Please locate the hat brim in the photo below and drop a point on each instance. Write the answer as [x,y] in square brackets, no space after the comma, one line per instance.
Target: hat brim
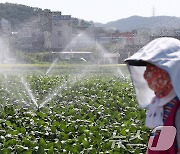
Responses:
[136,62]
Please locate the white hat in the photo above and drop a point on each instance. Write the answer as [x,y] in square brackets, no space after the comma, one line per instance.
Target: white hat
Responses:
[164,53]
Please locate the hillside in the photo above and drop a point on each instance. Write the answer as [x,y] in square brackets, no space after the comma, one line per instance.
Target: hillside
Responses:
[137,22]
[16,13]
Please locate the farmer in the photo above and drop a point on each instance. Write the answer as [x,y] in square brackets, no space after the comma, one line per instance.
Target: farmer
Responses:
[155,73]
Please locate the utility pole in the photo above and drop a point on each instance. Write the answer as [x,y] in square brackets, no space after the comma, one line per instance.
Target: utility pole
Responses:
[153,11]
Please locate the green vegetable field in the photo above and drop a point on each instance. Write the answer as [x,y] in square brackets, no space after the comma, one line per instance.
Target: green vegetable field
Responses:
[69,113]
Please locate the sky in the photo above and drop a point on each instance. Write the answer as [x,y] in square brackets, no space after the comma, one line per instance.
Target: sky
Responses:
[104,11]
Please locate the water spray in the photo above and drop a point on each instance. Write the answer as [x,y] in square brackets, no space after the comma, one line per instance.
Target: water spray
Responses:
[29,92]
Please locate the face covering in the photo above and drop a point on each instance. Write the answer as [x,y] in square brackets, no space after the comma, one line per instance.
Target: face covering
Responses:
[158,80]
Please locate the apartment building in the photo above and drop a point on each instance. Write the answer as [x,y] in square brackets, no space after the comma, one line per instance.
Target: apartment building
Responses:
[48,31]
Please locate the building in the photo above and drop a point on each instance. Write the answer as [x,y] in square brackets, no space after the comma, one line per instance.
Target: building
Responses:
[5,27]
[61,31]
[73,55]
[48,31]
[29,36]
[111,58]
[5,31]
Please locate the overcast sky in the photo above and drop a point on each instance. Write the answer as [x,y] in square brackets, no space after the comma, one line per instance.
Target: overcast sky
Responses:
[104,11]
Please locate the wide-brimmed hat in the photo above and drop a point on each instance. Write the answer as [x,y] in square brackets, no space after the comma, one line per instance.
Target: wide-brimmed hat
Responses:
[163,52]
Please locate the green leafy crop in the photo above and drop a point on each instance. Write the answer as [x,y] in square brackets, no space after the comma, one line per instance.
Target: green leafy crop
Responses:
[88,116]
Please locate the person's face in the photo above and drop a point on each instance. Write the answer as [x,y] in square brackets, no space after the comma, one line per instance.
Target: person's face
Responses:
[157,79]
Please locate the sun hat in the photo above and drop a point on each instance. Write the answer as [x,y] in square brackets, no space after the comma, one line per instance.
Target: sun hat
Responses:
[162,52]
